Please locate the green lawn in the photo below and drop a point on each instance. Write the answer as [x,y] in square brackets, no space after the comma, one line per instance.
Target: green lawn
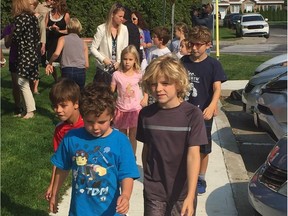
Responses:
[26,145]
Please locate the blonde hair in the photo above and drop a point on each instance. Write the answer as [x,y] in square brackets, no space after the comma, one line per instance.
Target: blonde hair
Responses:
[21,6]
[130,49]
[74,26]
[200,34]
[113,10]
[172,69]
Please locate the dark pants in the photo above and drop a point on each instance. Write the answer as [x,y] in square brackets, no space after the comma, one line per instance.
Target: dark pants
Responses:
[78,75]
[162,208]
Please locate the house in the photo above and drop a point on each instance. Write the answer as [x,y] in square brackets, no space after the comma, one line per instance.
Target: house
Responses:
[235,6]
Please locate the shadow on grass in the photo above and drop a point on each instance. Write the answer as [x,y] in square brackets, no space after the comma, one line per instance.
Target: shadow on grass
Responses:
[9,207]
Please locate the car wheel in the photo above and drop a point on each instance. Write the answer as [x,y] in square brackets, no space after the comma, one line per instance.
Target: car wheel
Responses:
[267,36]
[255,213]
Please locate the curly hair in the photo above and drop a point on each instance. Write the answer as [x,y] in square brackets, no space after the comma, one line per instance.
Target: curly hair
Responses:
[141,22]
[95,99]
[169,67]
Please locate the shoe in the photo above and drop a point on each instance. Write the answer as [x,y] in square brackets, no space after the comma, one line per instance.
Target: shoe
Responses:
[201,186]
[18,111]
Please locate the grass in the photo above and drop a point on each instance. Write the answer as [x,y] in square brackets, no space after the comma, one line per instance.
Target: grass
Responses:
[26,145]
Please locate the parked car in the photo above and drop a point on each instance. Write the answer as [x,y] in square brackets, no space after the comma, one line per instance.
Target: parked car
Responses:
[252,24]
[252,90]
[267,189]
[227,21]
[279,60]
[234,21]
[271,110]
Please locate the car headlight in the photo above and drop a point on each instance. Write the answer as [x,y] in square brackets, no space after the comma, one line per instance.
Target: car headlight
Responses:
[283,189]
[265,25]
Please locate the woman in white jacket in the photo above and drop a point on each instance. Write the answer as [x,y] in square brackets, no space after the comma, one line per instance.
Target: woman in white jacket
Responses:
[109,41]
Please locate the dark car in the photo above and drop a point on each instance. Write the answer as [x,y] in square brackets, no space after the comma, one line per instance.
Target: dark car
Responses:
[267,189]
[228,19]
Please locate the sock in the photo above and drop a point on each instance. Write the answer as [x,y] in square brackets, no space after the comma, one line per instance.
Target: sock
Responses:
[202,176]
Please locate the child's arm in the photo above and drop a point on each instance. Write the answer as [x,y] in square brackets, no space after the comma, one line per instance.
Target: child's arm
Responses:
[123,200]
[113,87]
[211,110]
[49,189]
[60,176]
[193,168]
[144,101]
[86,55]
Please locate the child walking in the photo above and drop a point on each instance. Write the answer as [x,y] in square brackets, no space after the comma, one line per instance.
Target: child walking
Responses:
[100,157]
[171,130]
[64,97]
[160,38]
[206,74]
[127,80]
[74,54]
[181,32]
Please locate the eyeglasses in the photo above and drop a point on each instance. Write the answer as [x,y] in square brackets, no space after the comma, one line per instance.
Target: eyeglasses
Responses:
[134,18]
[197,45]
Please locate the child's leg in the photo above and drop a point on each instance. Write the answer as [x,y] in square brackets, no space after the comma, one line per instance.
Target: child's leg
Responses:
[132,138]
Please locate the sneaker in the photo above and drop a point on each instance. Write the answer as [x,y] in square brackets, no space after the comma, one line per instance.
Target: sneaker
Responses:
[201,186]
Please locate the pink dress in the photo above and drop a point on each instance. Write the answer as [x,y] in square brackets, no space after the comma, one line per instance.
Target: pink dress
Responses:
[128,100]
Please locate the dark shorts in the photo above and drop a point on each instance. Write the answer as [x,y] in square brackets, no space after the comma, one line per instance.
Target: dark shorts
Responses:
[162,208]
[206,149]
[78,75]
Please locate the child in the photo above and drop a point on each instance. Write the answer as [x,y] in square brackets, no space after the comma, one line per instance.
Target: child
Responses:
[181,32]
[206,74]
[171,130]
[160,38]
[101,159]
[74,57]
[129,102]
[64,96]
[185,48]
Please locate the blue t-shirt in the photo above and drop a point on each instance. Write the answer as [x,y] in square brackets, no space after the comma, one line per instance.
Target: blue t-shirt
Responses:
[98,167]
[202,75]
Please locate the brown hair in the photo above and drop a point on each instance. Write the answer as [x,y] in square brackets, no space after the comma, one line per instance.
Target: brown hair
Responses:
[162,33]
[21,6]
[200,34]
[95,99]
[64,90]
[141,22]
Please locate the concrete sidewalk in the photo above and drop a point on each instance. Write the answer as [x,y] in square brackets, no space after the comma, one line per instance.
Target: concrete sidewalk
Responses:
[219,199]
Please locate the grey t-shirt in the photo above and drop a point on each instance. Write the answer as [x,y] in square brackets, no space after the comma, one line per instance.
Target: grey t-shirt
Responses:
[169,133]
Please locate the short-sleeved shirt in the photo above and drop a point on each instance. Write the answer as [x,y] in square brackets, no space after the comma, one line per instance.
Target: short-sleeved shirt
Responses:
[98,165]
[62,128]
[128,90]
[156,52]
[168,133]
[203,74]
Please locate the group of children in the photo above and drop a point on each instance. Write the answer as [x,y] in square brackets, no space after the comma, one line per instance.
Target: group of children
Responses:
[175,153]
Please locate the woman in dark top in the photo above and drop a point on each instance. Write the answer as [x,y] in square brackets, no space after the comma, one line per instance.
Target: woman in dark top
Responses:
[56,21]
[26,37]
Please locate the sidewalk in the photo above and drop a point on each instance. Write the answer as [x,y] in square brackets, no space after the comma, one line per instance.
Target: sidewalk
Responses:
[219,199]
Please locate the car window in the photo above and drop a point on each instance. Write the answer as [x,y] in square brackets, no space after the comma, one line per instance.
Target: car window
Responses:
[252,18]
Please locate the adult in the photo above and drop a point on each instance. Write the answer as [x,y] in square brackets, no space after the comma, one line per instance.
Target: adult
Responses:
[56,22]
[109,40]
[145,36]
[26,37]
[133,31]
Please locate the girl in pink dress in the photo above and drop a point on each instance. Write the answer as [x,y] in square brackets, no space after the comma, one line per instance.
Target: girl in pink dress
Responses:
[130,98]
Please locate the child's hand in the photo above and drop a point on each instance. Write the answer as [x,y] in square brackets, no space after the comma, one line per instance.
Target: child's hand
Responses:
[187,208]
[53,204]
[144,102]
[208,113]
[48,193]
[122,204]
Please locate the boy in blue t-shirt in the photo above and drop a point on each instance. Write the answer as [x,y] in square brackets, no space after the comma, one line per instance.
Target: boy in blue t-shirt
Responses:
[206,74]
[101,159]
